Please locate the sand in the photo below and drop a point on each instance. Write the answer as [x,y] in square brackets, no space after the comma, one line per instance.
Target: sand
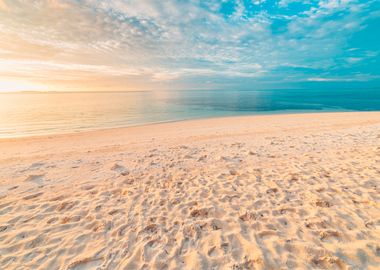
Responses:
[258,192]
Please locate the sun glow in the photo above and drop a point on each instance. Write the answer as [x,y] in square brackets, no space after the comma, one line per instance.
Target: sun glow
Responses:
[15,86]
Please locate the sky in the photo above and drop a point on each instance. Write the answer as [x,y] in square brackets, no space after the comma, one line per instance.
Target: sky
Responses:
[123,45]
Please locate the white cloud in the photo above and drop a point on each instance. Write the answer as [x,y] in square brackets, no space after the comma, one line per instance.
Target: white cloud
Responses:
[258,2]
[355,78]
[285,3]
[333,4]
[353,60]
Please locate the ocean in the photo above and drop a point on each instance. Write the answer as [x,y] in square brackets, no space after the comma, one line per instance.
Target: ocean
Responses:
[27,114]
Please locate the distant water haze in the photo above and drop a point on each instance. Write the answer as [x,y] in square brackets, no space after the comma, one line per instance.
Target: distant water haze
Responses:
[26,114]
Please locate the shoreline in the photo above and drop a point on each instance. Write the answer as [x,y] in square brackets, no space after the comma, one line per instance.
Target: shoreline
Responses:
[96,130]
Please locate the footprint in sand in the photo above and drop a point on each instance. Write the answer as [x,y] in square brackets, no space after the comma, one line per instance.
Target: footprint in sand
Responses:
[247,216]
[35,178]
[272,190]
[202,213]
[3,228]
[29,197]
[323,203]
[120,169]
[36,165]
[12,188]
[87,187]
[267,234]
[212,252]
[85,263]
[325,235]
[327,262]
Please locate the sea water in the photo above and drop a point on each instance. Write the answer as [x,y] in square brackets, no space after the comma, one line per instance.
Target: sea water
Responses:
[26,114]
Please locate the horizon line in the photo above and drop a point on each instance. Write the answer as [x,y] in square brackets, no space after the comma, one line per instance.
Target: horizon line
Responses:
[169,90]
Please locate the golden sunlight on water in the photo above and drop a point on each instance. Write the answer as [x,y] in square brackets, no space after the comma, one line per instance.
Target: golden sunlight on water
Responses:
[23,114]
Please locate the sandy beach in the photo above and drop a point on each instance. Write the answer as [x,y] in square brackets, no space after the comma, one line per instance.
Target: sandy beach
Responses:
[257,192]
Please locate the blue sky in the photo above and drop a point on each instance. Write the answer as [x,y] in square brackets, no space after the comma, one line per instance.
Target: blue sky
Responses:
[141,45]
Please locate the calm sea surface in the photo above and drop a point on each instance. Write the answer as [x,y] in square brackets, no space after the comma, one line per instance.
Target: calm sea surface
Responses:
[25,114]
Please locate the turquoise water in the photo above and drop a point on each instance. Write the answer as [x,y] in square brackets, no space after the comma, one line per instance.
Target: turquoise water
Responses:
[25,114]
